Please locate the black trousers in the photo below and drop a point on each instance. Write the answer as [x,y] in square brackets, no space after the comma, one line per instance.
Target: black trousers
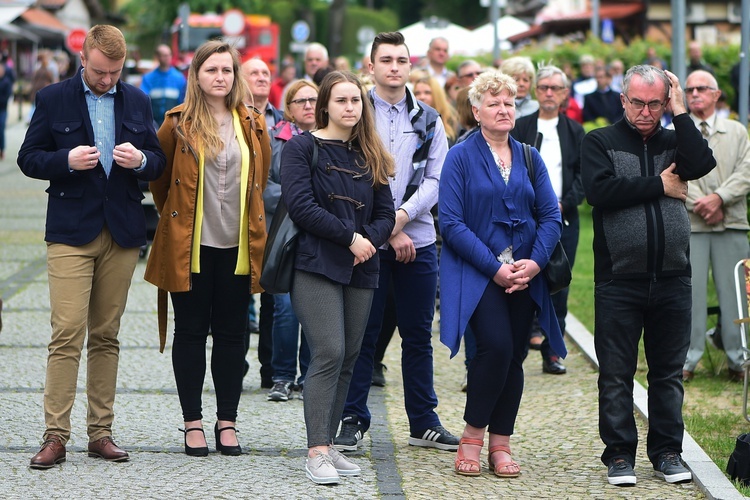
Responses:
[217,304]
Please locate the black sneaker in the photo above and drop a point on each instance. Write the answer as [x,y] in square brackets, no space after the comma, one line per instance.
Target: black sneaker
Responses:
[671,468]
[434,437]
[281,391]
[620,472]
[299,390]
[378,375]
[350,436]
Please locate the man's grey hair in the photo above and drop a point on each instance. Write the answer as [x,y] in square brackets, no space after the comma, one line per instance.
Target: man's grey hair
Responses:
[649,74]
[465,63]
[441,38]
[317,47]
[549,71]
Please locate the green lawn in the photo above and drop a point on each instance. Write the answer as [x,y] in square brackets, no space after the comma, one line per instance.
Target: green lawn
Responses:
[713,404]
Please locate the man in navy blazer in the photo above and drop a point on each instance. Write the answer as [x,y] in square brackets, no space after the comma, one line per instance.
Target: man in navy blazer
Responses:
[92,138]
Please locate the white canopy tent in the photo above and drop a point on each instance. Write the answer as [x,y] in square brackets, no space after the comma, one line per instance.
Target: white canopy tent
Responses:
[419,35]
[507,26]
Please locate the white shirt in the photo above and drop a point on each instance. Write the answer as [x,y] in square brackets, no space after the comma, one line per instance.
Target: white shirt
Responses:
[551,152]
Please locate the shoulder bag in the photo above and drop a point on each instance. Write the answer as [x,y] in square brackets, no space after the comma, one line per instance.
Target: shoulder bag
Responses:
[557,271]
[281,246]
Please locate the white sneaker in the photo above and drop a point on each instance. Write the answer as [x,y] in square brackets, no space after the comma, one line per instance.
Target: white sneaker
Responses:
[320,469]
[342,464]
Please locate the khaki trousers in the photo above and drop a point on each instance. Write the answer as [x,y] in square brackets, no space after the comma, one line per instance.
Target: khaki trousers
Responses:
[88,291]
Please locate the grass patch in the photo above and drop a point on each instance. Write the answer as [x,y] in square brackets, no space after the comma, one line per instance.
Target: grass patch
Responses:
[713,405]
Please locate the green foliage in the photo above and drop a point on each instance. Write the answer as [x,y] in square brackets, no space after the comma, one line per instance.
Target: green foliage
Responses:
[598,123]
[355,18]
[720,57]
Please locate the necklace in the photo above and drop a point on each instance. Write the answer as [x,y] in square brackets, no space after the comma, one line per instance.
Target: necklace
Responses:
[502,166]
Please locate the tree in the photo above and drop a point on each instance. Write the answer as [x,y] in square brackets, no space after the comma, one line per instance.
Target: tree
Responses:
[336,26]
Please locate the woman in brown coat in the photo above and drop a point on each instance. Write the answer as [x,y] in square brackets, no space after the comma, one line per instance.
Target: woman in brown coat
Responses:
[208,246]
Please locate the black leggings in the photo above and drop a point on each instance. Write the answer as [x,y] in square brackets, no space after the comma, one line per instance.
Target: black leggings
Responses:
[217,303]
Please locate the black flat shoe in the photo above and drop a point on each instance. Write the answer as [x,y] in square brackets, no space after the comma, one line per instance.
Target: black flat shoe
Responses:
[201,451]
[223,449]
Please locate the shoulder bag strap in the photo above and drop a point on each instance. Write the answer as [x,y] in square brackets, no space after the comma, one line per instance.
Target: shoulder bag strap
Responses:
[315,154]
[529,162]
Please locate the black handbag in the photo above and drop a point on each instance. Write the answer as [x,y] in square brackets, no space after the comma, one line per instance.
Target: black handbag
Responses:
[557,271]
[738,465]
[281,246]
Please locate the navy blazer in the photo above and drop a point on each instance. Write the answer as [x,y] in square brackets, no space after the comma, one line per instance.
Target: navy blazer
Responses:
[571,134]
[80,203]
[602,104]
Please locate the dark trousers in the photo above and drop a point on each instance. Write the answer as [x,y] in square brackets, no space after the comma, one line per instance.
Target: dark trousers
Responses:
[501,325]
[414,287]
[387,328]
[265,337]
[217,302]
[661,310]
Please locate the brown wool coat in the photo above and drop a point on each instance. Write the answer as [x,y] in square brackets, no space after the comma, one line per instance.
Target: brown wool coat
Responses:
[175,194]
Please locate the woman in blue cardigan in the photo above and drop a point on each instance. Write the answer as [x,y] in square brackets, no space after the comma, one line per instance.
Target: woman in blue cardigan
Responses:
[498,233]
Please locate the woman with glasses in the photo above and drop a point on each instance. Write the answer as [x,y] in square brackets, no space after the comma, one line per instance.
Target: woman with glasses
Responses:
[299,116]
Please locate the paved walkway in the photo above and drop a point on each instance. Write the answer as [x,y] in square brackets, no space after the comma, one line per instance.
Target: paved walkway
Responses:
[556,440]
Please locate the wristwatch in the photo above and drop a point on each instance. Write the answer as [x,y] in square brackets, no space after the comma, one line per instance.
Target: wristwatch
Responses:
[143,160]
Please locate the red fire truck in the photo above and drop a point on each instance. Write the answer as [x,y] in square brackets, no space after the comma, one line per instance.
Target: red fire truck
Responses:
[257,36]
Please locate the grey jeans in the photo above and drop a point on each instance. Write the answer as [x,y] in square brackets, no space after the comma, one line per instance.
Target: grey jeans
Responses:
[333,317]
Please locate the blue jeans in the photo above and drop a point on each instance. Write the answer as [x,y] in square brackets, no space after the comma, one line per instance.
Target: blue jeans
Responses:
[3,121]
[414,288]
[285,342]
[660,308]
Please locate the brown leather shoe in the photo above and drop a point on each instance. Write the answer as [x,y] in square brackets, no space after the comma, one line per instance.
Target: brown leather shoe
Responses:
[52,453]
[736,375]
[107,449]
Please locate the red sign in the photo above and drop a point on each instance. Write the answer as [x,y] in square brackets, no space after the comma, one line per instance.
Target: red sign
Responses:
[75,39]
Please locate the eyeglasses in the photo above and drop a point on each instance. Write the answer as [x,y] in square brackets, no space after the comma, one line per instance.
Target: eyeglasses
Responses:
[301,102]
[473,74]
[554,88]
[639,105]
[699,88]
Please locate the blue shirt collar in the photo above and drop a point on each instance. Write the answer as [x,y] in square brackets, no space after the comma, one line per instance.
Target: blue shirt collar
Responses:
[86,88]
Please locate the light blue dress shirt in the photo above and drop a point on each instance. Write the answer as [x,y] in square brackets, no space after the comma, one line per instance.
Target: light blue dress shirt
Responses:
[102,115]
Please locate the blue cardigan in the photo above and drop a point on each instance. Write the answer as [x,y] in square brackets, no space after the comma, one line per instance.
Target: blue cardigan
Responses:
[479,217]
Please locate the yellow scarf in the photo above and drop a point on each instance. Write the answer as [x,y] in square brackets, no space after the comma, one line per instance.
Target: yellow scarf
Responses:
[243,255]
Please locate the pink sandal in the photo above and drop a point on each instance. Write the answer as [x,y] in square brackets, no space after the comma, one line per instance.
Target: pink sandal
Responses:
[503,469]
[462,461]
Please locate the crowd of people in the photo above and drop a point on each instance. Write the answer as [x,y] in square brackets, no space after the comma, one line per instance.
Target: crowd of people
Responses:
[361,162]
